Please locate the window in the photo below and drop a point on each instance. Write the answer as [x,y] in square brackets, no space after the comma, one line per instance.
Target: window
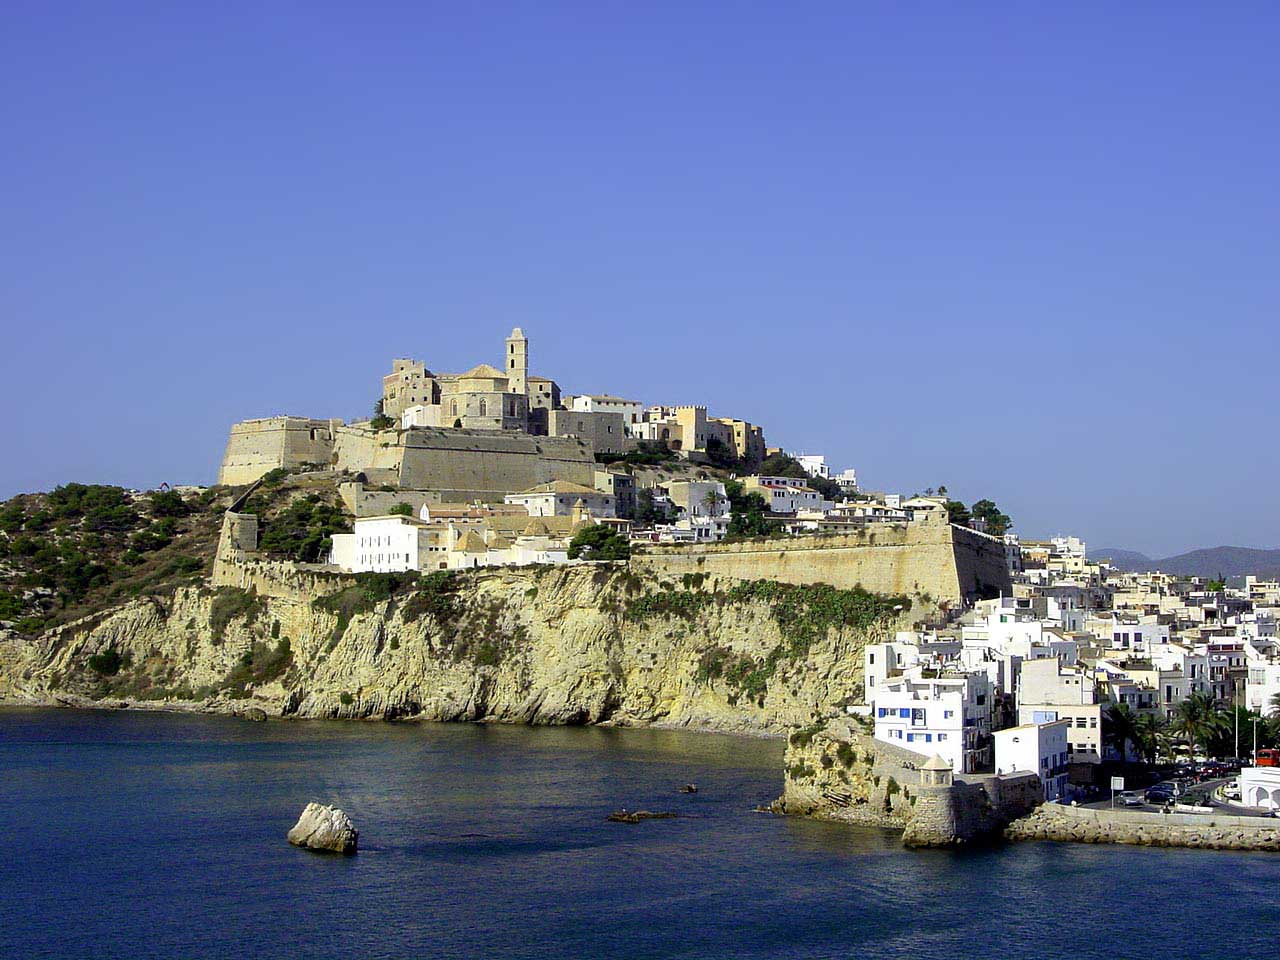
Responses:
[484,407]
[941,737]
[948,714]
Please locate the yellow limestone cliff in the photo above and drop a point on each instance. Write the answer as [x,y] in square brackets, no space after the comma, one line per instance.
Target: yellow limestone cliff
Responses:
[554,645]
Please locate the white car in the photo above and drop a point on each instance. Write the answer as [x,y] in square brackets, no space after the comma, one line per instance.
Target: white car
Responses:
[1130,799]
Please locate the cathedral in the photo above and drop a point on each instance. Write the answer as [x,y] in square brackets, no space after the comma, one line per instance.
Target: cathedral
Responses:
[483,398]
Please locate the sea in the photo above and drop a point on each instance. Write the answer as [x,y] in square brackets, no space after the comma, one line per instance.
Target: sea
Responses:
[131,835]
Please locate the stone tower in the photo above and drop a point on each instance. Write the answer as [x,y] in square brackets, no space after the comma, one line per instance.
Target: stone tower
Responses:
[517,365]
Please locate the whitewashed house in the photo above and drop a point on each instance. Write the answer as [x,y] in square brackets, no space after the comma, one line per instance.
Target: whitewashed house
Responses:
[1039,748]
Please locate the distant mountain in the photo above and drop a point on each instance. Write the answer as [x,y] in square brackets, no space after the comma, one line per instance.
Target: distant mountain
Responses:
[1208,562]
[1123,559]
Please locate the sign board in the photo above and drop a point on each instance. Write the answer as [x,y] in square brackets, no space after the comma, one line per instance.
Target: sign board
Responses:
[1117,783]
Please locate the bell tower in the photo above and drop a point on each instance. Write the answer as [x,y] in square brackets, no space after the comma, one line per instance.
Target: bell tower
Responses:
[516,366]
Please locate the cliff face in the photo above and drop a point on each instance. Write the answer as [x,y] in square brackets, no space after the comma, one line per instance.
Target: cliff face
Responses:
[582,644]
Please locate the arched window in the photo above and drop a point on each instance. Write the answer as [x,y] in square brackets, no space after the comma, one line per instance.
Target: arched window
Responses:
[513,408]
[455,408]
[666,434]
[484,408]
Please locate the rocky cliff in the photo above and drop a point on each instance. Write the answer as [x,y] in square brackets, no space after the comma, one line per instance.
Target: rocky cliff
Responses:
[554,645]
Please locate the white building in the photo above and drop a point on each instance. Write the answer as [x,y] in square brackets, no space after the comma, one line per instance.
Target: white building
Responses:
[949,715]
[382,545]
[848,480]
[632,410]
[1047,692]
[559,497]
[1142,636]
[784,495]
[422,415]
[815,465]
[1260,787]
[1039,748]
[1262,686]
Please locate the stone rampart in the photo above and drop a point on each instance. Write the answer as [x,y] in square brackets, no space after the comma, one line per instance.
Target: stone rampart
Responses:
[256,447]
[1090,825]
[935,560]
[282,579]
[460,465]
[971,810]
[487,465]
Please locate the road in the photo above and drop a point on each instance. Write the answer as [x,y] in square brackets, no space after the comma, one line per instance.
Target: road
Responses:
[1201,794]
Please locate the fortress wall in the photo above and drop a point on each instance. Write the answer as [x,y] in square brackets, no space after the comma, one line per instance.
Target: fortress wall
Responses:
[256,447]
[887,558]
[981,564]
[916,558]
[482,465]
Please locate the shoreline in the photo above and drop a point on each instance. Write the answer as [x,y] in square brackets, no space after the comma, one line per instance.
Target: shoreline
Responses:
[75,702]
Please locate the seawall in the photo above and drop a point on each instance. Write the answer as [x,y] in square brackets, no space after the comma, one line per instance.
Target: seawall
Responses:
[1204,831]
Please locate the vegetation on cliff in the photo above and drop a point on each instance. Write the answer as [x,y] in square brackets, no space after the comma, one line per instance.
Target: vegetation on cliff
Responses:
[81,547]
[805,615]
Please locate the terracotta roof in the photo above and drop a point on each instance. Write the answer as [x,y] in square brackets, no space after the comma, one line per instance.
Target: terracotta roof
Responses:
[471,542]
[559,486]
[484,372]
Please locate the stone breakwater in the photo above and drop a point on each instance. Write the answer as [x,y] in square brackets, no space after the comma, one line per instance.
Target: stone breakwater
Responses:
[1078,825]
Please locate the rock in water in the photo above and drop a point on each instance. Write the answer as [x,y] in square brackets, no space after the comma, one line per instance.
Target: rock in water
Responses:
[324,828]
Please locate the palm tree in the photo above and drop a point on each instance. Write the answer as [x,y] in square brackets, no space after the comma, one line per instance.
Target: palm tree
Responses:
[1195,720]
[1275,705]
[1150,731]
[1120,728]
[712,501]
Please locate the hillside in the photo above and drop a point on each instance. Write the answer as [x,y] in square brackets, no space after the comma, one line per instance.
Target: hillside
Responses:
[83,548]
[1208,562]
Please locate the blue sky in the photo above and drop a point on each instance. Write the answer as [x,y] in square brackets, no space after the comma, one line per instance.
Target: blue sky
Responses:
[1028,253]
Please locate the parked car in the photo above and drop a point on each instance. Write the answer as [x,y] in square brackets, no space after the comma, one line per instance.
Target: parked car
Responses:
[1164,791]
[1131,798]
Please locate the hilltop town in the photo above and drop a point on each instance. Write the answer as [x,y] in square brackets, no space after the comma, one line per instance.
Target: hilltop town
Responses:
[486,546]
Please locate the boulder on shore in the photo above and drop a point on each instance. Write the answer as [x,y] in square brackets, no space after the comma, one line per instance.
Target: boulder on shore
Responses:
[326,829]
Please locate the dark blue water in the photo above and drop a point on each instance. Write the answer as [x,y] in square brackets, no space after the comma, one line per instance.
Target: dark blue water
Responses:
[132,835]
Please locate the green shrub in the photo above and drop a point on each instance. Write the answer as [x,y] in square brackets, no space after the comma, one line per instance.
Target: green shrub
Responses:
[599,542]
[106,664]
[845,754]
[804,736]
[436,596]
[11,604]
[304,532]
[258,665]
[168,503]
[346,699]
[800,771]
[401,510]
[232,603]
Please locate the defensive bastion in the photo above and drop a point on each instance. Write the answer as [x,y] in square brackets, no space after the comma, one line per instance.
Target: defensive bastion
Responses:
[928,558]
[460,465]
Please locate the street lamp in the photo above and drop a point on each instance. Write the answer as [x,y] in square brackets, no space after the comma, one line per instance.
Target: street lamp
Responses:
[1255,740]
